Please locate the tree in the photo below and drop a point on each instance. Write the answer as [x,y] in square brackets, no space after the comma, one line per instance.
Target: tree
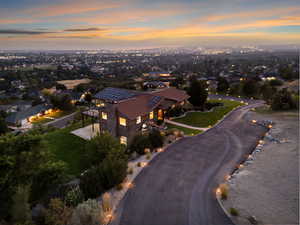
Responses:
[178,82]
[198,93]
[99,147]
[20,211]
[49,176]
[24,160]
[283,100]
[250,88]
[223,84]
[59,86]
[62,102]
[276,82]
[57,213]
[267,92]
[88,97]
[156,139]
[3,126]
[109,162]
[139,143]
[91,176]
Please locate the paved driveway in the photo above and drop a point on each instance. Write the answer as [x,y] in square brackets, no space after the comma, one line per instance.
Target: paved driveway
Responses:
[178,186]
[63,121]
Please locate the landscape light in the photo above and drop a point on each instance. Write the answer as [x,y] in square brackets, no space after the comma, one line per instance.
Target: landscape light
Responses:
[109,217]
[128,185]
[227,177]
[254,121]
[241,166]
[270,126]
[261,142]
[218,191]
[219,99]
[143,164]
[160,150]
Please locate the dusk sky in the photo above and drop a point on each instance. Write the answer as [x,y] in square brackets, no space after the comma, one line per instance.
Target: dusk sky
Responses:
[92,24]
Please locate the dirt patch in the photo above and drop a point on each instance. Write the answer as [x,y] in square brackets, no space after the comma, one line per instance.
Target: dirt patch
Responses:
[70,84]
[267,187]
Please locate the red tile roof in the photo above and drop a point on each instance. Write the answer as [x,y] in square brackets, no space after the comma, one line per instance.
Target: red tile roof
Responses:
[172,94]
[138,106]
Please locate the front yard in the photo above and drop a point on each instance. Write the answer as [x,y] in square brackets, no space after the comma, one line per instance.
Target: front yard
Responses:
[205,119]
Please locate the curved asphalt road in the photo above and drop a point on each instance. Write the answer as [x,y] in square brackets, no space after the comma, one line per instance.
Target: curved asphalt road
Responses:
[178,186]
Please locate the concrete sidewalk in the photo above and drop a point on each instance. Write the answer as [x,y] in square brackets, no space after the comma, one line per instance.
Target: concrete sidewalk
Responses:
[184,125]
[87,132]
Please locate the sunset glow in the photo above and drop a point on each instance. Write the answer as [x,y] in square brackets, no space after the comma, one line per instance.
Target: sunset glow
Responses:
[132,23]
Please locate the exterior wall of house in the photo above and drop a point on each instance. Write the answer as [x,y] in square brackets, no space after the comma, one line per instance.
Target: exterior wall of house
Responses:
[110,124]
[113,126]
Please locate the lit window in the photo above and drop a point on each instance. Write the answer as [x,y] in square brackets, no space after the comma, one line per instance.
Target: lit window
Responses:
[138,120]
[123,140]
[122,121]
[104,115]
[151,115]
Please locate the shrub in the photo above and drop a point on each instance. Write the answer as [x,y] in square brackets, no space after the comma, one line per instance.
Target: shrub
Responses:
[160,122]
[99,147]
[224,191]
[91,177]
[21,209]
[283,100]
[148,156]
[276,82]
[74,196]
[139,143]
[210,105]
[156,139]
[106,202]
[130,170]
[176,111]
[172,131]
[234,212]
[252,220]
[113,169]
[119,187]
[110,172]
[57,213]
[224,195]
[89,212]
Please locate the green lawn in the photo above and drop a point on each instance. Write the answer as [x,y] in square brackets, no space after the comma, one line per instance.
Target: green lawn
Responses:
[186,131]
[204,119]
[54,115]
[67,147]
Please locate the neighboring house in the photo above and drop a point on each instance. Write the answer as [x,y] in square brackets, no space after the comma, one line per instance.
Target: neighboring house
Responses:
[157,74]
[23,118]
[155,85]
[125,113]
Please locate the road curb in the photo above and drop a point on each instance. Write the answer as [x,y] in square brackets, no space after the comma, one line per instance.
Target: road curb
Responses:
[223,208]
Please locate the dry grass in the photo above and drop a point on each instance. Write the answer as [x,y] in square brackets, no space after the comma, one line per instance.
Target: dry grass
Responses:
[70,84]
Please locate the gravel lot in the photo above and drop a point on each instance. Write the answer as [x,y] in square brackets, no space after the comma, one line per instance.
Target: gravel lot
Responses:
[268,188]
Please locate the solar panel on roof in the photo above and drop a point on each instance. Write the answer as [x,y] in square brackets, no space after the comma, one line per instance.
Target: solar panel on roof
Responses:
[114,94]
[154,101]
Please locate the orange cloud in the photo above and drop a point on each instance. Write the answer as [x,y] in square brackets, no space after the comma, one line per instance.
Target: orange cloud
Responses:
[71,7]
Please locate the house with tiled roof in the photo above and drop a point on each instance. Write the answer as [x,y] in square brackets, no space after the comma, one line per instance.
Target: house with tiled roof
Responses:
[125,113]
